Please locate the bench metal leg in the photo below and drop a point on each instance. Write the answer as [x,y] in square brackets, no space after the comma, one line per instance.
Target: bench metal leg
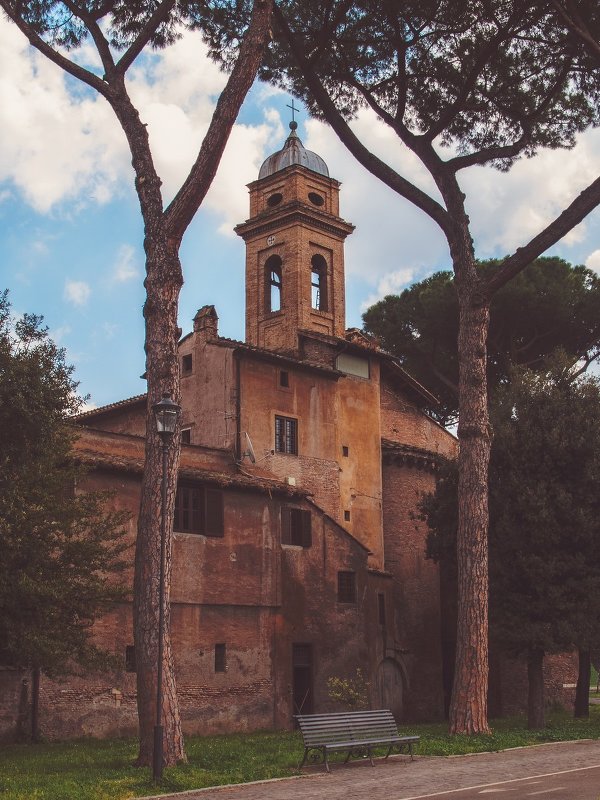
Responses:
[323,752]
[303,762]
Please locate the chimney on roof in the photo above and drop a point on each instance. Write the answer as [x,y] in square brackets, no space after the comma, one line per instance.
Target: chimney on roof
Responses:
[206,323]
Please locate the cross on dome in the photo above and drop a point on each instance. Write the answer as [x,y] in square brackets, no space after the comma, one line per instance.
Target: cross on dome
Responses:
[293,152]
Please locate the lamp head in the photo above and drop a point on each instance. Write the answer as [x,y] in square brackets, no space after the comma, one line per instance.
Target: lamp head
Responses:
[165,413]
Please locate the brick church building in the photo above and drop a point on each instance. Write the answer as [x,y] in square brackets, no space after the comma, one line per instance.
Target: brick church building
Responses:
[297,555]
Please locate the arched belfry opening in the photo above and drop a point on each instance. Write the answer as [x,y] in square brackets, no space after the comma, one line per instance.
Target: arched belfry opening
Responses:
[294,250]
[273,284]
[318,266]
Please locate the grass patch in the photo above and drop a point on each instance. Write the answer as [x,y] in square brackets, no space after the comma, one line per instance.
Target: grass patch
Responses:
[90,769]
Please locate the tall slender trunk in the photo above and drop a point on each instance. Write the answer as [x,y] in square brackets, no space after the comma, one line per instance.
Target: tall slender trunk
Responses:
[162,335]
[582,693]
[468,708]
[535,697]
[163,283]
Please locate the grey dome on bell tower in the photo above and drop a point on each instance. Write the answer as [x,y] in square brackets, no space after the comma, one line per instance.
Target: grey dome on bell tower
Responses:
[293,152]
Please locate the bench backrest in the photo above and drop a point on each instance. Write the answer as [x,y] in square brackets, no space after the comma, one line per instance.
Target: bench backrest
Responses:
[320,729]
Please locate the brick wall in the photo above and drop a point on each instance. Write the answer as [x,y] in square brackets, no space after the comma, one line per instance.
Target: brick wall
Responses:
[508,682]
[294,230]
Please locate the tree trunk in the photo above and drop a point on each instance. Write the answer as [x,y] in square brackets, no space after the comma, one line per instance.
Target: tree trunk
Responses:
[468,707]
[535,697]
[582,693]
[163,283]
[162,334]
[35,705]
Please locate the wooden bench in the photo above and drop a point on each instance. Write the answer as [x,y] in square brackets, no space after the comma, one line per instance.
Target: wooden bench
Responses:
[358,732]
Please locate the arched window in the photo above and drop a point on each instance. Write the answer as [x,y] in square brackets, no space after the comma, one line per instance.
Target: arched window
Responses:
[319,283]
[273,284]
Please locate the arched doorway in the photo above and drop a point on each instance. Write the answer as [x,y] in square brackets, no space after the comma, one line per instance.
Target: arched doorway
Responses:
[389,687]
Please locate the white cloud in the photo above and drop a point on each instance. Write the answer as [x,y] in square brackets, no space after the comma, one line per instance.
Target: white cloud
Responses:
[55,146]
[40,247]
[391,283]
[110,329]
[593,261]
[244,154]
[58,334]
[77,292]
[125,268]
[508,209]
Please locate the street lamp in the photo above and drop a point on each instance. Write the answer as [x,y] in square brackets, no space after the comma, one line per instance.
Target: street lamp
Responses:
[166,413]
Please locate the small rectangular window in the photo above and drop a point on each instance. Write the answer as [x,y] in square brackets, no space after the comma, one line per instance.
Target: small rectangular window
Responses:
[186,436]
[198,509]
[346,587]
[186,364]
[347,516]
[353,365]
[296,527]
[345,451]
[284,378]
[130,665]
[286,435]
[220,658]
[381,608]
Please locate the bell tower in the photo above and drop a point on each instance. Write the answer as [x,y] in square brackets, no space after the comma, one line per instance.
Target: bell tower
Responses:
[294,250]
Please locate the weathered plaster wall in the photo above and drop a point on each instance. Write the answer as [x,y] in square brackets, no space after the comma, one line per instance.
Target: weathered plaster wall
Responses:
[416,588]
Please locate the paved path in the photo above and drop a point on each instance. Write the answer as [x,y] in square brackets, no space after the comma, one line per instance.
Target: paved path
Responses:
[514,774]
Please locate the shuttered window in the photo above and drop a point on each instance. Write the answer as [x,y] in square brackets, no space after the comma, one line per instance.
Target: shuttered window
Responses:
[296,526]
[198,509]
[286,435]
[346,587]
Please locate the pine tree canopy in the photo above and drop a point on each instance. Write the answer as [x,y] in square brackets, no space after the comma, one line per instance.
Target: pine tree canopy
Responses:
[549,305]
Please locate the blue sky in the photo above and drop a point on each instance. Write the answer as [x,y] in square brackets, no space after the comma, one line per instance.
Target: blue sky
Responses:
[71,233]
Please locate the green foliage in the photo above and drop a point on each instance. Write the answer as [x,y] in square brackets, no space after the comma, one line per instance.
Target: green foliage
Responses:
[545,507]
[544,511]
[69,25]
[104,770]
[351,693]
[62,24]
[549,305]
[478,75]
[58,546]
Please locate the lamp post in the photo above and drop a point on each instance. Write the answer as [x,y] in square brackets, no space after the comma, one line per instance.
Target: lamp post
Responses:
[165,414]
